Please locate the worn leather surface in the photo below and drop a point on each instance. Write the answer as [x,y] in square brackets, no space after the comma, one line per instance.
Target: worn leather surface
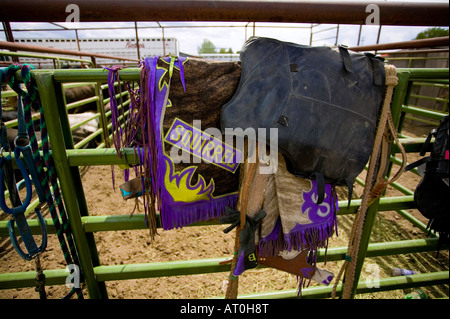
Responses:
[324,101]
[209,85]
[295,264]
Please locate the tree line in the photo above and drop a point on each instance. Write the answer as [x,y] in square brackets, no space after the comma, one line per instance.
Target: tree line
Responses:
[209,47]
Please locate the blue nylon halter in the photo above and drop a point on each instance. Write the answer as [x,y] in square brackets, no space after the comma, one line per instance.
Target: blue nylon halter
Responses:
[19,209]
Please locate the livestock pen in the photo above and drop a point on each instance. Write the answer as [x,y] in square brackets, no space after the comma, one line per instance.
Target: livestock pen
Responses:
[84,225]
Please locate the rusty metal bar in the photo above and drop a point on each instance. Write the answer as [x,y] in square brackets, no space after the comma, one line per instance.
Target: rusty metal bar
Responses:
[333,12]
[9,37]
[137,40]
[422,43]
[163,37]
[35,48]
[378,36]
[78,40]
[359,33]
[416,51]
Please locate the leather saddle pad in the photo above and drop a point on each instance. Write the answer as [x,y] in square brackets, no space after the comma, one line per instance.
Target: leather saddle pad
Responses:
[324,101]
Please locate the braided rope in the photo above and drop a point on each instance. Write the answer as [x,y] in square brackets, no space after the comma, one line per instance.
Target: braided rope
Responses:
[31,98]
[233,281]
[247,172]
[372,189]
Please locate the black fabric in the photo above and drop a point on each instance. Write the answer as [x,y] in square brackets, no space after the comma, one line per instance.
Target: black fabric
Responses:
[247,239]
[247,234]
[432,194]
[232,217]
[320,181]
[324,101]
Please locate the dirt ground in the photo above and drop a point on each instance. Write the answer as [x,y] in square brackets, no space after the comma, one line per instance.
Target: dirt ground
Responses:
[127,247]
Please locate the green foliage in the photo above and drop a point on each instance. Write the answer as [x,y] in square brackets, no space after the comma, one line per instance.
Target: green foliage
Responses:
[223,50]
[433,33]
[207,47]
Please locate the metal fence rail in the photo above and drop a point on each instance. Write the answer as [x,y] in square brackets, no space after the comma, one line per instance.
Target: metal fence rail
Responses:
[83,226]
[56,60]
[39,49]
[104,117]
[343,12]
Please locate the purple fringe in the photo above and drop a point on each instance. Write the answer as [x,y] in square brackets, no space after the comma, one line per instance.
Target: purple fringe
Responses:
[311,237]
[272,244]
[301,237]
[178,214]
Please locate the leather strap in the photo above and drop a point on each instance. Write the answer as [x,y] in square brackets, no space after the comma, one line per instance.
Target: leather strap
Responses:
[350,192]
[425,145]
[320,182]
[346,58]
[417,163]
[376,68]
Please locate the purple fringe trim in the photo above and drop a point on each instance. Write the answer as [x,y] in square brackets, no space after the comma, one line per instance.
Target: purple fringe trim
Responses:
[179,214]
[301,237]
[311,237]
[272,244]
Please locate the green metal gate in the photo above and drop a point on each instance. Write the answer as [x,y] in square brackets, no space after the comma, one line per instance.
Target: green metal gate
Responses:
[68,159]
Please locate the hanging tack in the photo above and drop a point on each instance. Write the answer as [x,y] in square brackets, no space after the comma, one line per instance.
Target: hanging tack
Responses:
[40,279]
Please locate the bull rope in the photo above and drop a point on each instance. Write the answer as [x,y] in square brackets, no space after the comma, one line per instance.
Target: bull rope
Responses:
[375,185]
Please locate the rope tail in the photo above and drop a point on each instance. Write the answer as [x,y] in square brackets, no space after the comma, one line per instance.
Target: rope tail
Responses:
[375,182]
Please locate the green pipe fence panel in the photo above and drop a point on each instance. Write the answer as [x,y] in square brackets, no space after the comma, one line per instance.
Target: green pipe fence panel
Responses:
[202,266]
[103,116]
[68,159]
[137,221]
[56,59]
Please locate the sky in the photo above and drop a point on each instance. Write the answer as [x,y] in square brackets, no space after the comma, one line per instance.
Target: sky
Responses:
[227,35]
